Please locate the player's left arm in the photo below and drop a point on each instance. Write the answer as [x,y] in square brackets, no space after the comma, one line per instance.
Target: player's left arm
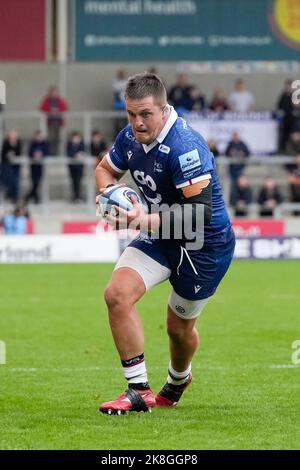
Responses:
[197,195]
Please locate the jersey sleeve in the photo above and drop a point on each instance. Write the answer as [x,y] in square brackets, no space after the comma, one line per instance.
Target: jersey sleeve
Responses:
[117,158]
[191,166]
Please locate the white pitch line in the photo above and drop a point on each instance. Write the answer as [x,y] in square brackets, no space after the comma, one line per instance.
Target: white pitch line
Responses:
[54,369]
[102,369]
[285,366]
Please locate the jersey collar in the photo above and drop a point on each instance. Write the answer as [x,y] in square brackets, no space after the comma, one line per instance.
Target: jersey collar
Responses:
[164,132]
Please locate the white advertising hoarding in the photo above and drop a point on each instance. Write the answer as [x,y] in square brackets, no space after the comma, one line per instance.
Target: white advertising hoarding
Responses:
[59,248]
[258,130]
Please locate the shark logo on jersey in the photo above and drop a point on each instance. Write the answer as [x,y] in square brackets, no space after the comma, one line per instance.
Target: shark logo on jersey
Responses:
[158,167]
[189,161]
[164,148]
[129,154]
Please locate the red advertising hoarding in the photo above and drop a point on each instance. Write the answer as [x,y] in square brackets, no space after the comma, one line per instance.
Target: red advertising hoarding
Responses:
[23,30]
[258,228]
[81,226]
[242,228]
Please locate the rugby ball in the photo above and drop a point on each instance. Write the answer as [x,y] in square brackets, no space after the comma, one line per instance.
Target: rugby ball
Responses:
[117,195]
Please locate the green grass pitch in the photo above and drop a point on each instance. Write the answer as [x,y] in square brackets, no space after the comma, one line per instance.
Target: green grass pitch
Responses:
[61,363]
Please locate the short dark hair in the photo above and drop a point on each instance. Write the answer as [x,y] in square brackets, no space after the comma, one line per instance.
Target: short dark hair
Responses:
[145,84]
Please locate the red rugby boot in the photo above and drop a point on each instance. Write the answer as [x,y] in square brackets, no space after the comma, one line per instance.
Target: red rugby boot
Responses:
[170,394]
[130,400]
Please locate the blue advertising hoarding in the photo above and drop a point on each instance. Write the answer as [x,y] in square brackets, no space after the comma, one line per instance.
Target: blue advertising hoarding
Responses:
[191,30]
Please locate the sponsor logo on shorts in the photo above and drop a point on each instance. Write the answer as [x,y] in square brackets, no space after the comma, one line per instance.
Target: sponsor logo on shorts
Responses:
[180,309]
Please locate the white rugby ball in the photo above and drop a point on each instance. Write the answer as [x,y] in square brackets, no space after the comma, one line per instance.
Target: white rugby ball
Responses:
[117,195]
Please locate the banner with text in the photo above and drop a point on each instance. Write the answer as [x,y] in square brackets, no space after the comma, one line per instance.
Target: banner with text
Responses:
[173,30]
[268,248]
[103,248]
[106,248]
[259,130]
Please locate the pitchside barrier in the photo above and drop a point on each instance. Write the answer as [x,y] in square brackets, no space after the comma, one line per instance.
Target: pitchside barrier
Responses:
[106,247]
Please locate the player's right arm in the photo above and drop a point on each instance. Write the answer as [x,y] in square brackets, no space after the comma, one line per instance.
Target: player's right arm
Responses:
[113,165]
[105,174]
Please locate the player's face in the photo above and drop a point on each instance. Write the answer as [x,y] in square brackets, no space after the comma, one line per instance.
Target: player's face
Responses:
[147,118]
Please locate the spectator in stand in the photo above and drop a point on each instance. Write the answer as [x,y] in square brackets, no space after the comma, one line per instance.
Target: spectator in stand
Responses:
[296,118]
[294,182]
[179,94]
[76,152]
[2,127]
[241,100]
[54,106]
[213,148]
[10,168]
[293,144]
[196,100]
[38,150]
[153,69]
[15,223]
[218,101]
[241,197]
[98,146]
[269,197]
[292,148]
[238,150]
[286,107]
[118,87]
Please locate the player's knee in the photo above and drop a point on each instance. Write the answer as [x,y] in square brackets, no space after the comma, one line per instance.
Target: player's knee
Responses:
[112,296]
[116,296]
[178,328]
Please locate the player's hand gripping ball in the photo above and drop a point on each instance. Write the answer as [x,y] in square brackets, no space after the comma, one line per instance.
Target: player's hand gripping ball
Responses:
[117,195]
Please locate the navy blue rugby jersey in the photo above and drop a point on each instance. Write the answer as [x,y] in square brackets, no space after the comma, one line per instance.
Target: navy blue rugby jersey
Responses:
[177,158]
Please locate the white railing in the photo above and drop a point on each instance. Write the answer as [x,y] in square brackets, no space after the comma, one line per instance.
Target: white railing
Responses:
[55,175]
[86,121]
[39,121]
